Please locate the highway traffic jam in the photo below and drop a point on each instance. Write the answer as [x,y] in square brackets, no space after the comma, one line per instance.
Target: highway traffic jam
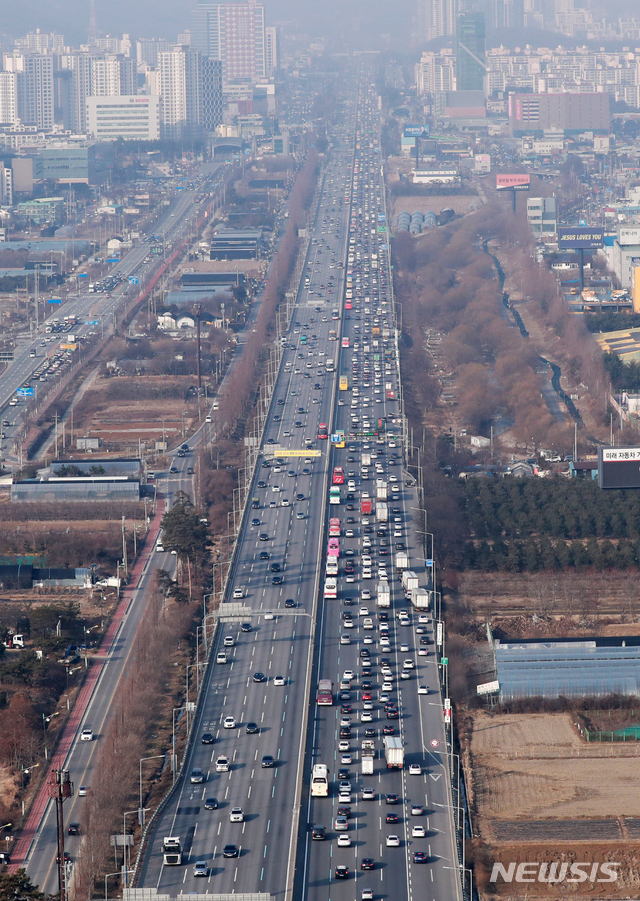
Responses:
[310,764]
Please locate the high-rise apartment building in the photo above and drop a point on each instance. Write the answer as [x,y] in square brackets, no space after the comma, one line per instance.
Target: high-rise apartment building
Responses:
[435,72]
[504,13]
[435,19]
[270,50]
[470,51]
[8,98]
[234,34]
[34,87]
[180,88]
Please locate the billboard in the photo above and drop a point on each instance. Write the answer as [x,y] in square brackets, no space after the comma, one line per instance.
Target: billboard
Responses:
[628,236]
[519,181]
[580,238]
[619,467]
[416,131]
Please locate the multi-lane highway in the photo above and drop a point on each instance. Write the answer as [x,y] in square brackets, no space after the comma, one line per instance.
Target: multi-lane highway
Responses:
[93,312]
[260,701]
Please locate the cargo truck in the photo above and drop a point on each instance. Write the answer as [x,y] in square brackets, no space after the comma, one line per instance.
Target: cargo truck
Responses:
[420,598]
[402,562]
[393,752]
[383,594]
[171,851]
[382,513]
[368,753]
[365,461]
[365,506]
[381,490]
[409,582]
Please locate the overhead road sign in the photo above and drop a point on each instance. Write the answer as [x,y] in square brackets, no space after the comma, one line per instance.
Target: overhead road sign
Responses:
[113,259]
[580,238]
[83,275]
[55,300]
[133,280]
[25,392]
[275,451]
[518,181]
[619,467]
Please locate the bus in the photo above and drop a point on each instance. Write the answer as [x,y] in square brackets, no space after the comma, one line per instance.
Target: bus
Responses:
[338,475]
[331,588]
[319,780]
[348,305]
[334,527]
[323,432]
[345,342]
[303,339]
[344,383]
[333,550]
[324,695]
[334,494]
[335,314]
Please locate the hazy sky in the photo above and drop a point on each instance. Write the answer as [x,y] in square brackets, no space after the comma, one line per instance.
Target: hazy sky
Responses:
[372,20]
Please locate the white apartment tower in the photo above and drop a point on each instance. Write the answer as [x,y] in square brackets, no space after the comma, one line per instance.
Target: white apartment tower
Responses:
[436,19]
[179,87]
[8,98]
[234,34]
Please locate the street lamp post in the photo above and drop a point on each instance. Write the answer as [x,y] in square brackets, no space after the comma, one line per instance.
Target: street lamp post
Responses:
[125,868]
[142,760]
[173,741]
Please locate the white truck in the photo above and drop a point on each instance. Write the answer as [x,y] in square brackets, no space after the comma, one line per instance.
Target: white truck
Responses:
[409,582]
[402,562]
[171,851]
[368,752]
[420,598]
[381,490]
[383,594]
[382,512]
[393,752]
[365,461]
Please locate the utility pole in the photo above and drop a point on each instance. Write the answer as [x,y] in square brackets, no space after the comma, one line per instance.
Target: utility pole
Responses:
[60,788]
[124,547]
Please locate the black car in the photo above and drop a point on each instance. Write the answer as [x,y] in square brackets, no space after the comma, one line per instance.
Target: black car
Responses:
[277,580]
[344,811]
[367,863]
[383,617]
[385,661]
[348,602]
[392,818]
[230,851]
[342,872]
[388,730]
[289,602]
[207,738]
[424,639]
[264,555]
[392,714]
[67,857]
[267,761]
[281,402]
[259,677]
[275,567]
[211,804]
[369,732]
[366,685]
[299,497]
[263,536]
[318,833]
[419,857]
[73,829]
[245,627]
[173,470]
[346,709]
[251,728]
[344,774]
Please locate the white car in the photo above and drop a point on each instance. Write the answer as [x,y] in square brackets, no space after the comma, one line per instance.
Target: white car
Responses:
[344,841]
[368,639]
[423,689]
[365,595]
[407,664]
[363,611]
[423,618]
[229,641]
[415,769]
[422,652]
[343,745]
[366,716]
[404,648]
[393,841]
[229,722]
[344,798]
[279,680]
[268,615]
[348,675]
[418,832]
[236,815]
[346,758]
[345,639]
[86,734]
